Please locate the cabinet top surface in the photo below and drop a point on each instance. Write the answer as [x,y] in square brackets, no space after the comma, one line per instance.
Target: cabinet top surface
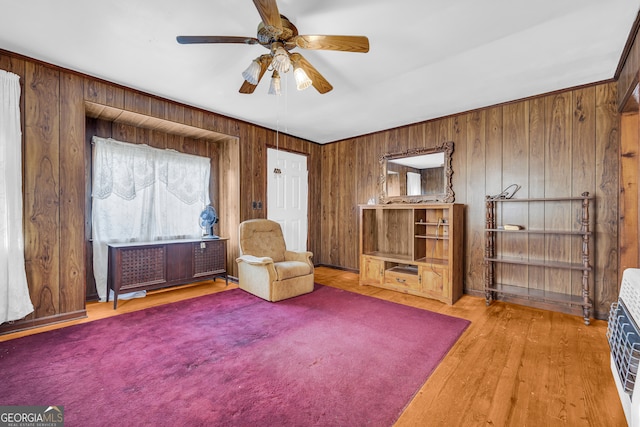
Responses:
[165,242]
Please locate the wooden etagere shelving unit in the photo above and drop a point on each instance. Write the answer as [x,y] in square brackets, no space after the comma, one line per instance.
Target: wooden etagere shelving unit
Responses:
[413,248]
[541,262]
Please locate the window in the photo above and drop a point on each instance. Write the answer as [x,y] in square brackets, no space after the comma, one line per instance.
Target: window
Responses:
[140,193]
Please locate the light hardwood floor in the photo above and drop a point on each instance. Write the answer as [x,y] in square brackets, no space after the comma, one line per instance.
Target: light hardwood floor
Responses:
[513,366]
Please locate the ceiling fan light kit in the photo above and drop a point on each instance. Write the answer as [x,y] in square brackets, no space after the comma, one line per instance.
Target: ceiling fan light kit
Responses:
[279,35]
[281,61]
[302,80]
[252,73]
[274,87]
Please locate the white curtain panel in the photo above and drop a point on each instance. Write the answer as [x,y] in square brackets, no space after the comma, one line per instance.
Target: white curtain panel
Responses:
[14,292]
[413,184]
[142,194]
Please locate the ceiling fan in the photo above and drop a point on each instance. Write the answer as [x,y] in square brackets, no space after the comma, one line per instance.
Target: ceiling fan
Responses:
[280,36]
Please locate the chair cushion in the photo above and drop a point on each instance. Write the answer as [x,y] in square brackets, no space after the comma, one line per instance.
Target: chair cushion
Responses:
[289,269]
[262,238]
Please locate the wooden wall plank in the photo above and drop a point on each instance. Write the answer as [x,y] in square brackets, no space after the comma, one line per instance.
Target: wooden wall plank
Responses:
[475,200]
[493,162]
[515,170]
[629,177]
[459,160]
[229,178]
[558,157]
[73,170]
[315,199]
[339,203]
[348,207]
[103,93]
[536,187]
[42,185]
[606,191]
[583,171]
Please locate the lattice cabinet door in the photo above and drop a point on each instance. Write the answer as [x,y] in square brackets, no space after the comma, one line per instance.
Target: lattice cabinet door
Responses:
[209,258]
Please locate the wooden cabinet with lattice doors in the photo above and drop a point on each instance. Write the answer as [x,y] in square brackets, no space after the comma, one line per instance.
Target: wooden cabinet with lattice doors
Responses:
[138,266]
[413,248]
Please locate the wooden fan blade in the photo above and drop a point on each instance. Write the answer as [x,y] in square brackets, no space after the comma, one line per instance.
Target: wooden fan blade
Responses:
[268,10]
[216,39]
[264,61]
[319,82]
[341,43]
[247,88]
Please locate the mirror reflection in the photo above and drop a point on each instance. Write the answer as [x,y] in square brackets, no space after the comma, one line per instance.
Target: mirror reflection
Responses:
[421,175]
[417,175]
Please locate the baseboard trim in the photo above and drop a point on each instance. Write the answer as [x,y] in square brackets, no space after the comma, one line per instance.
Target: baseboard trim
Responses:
[21,325]
[337,267]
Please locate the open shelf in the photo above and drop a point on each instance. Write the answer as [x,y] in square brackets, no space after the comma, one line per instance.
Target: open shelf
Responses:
[566,229]
[537,294]
[547,199]
[435,261]
[386,256]
[562,232]
[540,263]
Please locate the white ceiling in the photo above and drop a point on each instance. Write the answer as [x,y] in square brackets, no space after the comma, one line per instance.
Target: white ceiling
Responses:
[428,58]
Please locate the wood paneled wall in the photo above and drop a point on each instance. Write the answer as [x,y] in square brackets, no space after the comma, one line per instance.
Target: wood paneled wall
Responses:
[628,90]
[56,169]
[561,144]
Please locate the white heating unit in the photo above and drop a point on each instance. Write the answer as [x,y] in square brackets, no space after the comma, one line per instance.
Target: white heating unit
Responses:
[624,340]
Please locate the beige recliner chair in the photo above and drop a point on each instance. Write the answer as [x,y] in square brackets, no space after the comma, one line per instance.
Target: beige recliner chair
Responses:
[266,268]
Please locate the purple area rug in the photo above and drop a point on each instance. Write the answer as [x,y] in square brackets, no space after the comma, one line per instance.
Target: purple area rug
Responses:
[329,358]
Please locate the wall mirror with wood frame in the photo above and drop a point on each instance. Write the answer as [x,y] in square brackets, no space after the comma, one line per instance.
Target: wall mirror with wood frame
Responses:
[417,175]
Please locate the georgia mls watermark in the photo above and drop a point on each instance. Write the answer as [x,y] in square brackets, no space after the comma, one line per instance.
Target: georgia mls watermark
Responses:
[31,416]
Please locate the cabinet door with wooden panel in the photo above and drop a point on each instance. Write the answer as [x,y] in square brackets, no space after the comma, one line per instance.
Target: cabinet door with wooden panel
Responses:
[434,280]
[371,271]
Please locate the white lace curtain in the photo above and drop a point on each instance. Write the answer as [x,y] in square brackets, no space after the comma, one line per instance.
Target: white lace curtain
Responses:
[14,291]
[143,194]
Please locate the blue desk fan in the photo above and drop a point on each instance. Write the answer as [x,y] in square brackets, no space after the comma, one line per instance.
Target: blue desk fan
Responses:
[208,217]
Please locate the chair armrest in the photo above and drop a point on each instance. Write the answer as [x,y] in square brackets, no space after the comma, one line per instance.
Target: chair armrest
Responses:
[254,260]
[298,256]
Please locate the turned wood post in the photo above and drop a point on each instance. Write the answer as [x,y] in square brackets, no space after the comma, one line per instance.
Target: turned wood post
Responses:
[489,248]
[586,304]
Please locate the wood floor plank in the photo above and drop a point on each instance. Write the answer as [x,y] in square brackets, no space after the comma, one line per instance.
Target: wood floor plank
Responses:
[513,366]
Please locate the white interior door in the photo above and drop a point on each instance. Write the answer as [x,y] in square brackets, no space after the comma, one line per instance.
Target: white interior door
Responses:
[287,194]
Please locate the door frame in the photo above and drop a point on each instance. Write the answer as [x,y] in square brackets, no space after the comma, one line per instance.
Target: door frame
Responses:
[266,181]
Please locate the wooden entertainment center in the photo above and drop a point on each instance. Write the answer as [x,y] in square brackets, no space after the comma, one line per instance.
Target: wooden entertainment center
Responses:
[413,248]
[152,265]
